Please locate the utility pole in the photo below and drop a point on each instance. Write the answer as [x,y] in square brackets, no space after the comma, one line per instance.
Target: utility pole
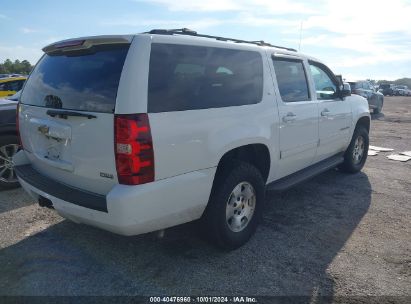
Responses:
[301,34]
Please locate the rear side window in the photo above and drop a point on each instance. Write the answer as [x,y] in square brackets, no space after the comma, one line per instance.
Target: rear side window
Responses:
[291,79]
[83,81]
[185,77]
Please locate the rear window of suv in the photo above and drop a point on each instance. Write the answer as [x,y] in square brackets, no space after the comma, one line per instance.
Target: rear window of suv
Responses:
[185,77]
[83,81]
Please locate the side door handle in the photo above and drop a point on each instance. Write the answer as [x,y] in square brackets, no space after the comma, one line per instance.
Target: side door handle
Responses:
[325,112]
[289,117]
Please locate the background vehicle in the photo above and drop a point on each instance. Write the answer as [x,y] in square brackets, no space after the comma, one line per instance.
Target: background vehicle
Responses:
[402,90]
[9,86]
[387,89]
[14,98]
[9,143]
[198,131]
[366,89]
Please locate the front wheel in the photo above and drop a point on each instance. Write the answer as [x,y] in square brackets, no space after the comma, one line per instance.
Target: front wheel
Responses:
[356,154]
[235,205]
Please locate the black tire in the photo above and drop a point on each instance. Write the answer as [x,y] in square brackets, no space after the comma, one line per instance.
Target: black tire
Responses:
[378,109]
[7,142]
[214,224]
[351,164]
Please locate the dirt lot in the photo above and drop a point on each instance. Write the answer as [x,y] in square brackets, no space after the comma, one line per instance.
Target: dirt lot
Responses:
[336,235]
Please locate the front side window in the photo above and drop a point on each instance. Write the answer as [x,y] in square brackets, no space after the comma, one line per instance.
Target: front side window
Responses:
[186,77]
[291,79]
[325,87]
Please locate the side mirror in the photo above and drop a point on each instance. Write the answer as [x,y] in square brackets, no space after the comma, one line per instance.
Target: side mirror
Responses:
[340,79]
[345,90]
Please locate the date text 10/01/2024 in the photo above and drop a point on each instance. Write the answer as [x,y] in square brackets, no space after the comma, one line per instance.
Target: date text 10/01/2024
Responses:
[238,299]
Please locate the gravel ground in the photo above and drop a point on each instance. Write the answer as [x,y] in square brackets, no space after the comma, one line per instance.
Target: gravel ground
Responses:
[336,235]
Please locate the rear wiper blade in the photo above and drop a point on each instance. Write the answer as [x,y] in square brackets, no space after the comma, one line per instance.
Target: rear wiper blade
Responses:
[65,114]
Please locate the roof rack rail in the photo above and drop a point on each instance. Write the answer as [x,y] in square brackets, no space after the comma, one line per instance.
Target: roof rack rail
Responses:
[186,31]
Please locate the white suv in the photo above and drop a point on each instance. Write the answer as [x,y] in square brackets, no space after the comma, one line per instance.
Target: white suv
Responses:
[138,133]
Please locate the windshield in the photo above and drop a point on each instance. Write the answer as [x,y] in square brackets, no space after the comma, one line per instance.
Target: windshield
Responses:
[77,81]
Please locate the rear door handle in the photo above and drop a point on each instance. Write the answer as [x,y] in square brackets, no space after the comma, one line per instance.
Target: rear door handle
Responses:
[289,117]
[325,112]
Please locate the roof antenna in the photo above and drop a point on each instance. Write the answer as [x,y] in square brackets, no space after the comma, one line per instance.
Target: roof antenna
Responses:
[301,34]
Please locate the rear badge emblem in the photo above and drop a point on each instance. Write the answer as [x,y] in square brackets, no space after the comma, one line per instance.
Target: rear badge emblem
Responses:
[106,175]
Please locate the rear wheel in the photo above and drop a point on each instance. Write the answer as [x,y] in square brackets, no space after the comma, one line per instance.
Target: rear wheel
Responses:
[356,154]
[9,145]
[235,206]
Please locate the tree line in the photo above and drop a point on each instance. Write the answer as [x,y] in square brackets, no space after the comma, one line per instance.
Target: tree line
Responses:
[16,67]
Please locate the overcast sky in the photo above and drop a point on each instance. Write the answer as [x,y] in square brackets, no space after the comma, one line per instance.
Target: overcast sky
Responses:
[359,39]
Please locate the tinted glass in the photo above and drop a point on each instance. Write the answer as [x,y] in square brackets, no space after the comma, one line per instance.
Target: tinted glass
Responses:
[291,79]
[15,85]
[77,81]
[324,85]
[192,77]
[20,85]
[355,85]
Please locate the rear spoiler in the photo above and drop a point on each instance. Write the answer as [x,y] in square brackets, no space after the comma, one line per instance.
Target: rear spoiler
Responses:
[84,43]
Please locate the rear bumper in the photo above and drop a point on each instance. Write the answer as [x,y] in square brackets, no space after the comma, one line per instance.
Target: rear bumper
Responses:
[69,194]
[128,210]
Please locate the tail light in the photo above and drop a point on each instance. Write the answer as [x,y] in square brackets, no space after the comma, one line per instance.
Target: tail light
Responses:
[18,124]
[133,149]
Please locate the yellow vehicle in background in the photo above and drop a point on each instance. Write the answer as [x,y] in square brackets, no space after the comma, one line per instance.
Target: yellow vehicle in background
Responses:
[9,86]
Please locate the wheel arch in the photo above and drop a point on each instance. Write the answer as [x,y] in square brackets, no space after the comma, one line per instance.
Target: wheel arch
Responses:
[364,121]
[256,154]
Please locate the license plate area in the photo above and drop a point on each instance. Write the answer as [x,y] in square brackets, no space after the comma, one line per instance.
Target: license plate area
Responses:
[50,142]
